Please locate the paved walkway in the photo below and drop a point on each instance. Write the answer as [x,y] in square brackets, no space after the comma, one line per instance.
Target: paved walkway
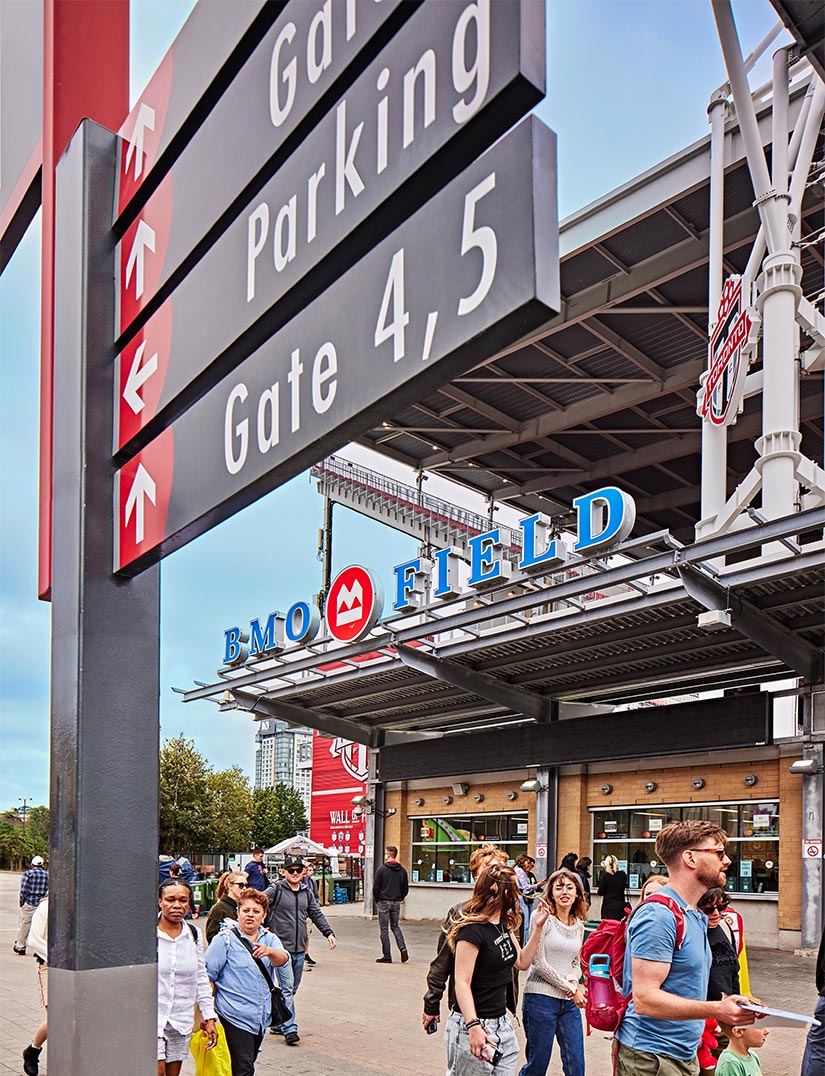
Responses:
[357,1018]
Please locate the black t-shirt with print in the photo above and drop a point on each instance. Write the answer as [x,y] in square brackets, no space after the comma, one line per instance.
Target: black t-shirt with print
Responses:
[492,973]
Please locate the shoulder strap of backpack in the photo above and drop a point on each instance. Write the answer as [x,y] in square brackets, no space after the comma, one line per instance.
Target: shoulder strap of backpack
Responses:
[678,914]
[193,930]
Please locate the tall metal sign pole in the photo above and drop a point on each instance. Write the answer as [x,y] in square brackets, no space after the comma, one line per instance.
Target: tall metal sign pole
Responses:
[105,668]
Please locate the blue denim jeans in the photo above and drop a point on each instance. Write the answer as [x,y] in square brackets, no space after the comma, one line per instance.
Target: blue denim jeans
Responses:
[813,1063]
[288,980]
[546,1019]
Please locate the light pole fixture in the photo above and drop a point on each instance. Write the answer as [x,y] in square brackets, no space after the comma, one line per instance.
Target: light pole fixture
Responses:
[806,766]
[361,805]
[533,786]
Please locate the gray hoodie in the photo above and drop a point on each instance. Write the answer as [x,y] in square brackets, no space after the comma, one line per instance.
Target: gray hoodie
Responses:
[288,912]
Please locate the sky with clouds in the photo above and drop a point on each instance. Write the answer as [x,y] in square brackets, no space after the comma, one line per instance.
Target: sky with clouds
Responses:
[628,85]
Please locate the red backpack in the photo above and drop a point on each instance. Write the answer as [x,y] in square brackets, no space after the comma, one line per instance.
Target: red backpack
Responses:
[610,939]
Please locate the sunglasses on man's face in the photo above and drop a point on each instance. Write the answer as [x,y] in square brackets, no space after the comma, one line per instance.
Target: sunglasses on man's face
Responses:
[294,870]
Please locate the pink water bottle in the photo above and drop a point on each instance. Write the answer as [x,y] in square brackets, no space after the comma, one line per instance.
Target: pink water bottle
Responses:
[599,987]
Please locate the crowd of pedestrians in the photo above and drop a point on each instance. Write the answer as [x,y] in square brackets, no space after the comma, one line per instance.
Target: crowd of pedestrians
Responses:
[683,982]
[684,986]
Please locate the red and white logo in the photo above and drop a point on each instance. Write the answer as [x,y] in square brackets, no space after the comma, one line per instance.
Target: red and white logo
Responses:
[354,604]
[354,757]
[723,384]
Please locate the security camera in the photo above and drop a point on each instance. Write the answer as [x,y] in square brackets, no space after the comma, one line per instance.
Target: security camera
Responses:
[358,801]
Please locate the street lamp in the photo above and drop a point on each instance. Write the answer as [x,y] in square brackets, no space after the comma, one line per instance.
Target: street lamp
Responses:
[362,805]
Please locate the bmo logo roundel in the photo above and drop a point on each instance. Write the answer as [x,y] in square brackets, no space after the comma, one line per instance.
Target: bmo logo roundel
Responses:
[354,604]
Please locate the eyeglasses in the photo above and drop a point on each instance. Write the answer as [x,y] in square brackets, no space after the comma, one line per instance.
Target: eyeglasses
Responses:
[240,885]
[720,852]
[708,909]
[294,870]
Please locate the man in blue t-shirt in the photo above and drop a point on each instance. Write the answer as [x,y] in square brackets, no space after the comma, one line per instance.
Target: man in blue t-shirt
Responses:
[661,1029]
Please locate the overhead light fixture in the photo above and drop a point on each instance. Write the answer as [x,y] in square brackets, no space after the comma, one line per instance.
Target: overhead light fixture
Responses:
[751,779]
[650,786]
[362,804]
[806,766]
[698,782]
[419,801]
[447,799]
[533,786]
[607,789]
[512,796]
[479,797]
[461,789]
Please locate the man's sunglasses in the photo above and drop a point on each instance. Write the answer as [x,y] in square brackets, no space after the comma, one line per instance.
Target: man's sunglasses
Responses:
[294,870]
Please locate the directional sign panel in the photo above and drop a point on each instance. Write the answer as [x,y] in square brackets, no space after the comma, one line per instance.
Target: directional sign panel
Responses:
[451,81]
[207,52]
[306,55]
[470,273]
[21,119]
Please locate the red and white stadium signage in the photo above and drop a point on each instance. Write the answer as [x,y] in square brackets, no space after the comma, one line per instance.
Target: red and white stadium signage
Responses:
[339,772]
[354,604]
[723,384]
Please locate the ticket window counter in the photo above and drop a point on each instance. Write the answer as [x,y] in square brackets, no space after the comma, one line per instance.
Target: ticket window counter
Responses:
[440,850]
[629,833]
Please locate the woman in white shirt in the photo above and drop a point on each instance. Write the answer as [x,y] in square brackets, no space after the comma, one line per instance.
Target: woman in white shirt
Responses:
[553,993]
[182,980]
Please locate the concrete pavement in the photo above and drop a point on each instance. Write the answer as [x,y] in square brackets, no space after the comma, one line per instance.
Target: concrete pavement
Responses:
[359,1018]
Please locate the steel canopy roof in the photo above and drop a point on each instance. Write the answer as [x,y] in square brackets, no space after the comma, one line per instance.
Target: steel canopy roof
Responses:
[607,391]
[604,632]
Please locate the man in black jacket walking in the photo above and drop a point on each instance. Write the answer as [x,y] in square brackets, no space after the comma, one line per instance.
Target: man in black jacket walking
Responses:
[389,889]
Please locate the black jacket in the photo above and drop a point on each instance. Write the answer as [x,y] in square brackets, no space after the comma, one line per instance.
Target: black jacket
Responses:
[391,883]
[442,972]
[820,967]
[612,889]
[225,908]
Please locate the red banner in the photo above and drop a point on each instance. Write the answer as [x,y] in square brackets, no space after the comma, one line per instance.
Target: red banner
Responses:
[339,772]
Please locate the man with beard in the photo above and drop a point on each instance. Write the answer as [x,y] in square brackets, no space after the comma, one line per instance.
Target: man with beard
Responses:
[661,1030]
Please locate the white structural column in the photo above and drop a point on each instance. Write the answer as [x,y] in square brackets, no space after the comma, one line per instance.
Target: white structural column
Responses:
[715,438]
[778,288]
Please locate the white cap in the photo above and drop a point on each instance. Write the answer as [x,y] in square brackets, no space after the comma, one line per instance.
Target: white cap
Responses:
[37,861]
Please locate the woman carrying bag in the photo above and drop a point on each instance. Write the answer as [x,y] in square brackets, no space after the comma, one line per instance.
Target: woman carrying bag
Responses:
[478,1034]
[182,979]
[241,961]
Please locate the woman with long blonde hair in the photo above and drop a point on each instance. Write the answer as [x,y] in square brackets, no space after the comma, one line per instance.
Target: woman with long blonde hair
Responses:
[483,935]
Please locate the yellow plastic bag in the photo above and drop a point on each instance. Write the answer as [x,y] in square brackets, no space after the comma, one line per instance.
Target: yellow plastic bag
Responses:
[214,1062]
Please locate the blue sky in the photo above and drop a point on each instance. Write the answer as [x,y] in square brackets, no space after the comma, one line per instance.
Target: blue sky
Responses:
[628,84]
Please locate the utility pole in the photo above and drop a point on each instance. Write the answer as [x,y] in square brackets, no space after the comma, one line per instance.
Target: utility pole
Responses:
[24,810]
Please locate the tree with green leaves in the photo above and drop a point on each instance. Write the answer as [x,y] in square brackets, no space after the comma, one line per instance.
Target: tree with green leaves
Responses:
[231,803]
[277,813]
[185,805]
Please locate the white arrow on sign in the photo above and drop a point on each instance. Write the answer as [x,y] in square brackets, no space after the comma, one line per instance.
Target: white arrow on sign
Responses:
[145,121]
[142,487]
[138,376]
[144,237]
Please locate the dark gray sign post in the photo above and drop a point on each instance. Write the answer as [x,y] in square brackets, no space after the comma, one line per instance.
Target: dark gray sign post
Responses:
[105,672]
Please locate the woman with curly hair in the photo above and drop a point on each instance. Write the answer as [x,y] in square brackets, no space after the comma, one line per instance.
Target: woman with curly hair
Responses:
[483,935]
[553,993]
